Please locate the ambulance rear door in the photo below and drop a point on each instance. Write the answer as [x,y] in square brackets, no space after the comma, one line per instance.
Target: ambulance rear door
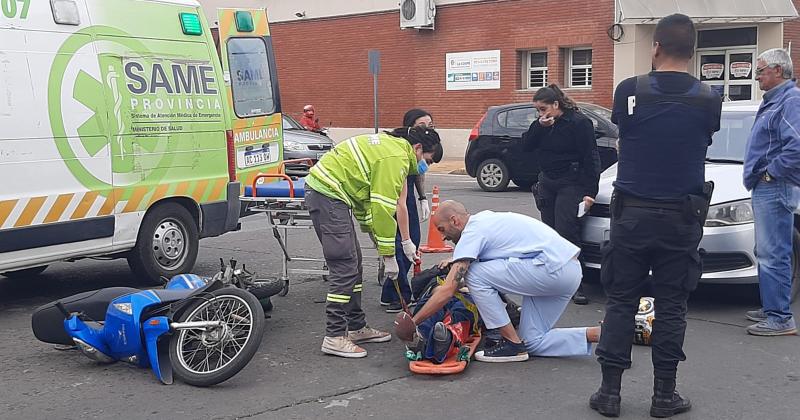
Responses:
[248,63]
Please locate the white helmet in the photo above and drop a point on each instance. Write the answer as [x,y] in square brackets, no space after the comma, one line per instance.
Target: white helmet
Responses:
[644,321]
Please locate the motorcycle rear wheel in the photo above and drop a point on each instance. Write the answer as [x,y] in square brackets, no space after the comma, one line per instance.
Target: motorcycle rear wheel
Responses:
[206,358]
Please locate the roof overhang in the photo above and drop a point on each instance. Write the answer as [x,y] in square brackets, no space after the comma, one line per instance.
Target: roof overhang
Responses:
[706,11]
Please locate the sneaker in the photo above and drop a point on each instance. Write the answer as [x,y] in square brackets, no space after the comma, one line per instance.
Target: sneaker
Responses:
[757,315]
[342,347]
[369,335]
[770,327]
[385,303]
[394,308]
[504,351]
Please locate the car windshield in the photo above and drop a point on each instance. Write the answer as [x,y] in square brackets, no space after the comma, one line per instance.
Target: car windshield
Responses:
[730,141]
[290,123]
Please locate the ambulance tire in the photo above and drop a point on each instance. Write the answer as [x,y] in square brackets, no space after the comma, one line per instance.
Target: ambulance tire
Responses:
[166,246]
[27,272]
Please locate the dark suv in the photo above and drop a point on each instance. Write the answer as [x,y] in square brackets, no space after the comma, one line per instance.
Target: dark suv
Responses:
[494,153]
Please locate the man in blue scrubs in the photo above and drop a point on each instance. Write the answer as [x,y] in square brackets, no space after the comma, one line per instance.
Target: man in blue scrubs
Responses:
[514,254]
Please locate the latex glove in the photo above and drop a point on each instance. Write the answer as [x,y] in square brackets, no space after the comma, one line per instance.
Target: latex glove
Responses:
[390,270]
[424,210]
[410,250]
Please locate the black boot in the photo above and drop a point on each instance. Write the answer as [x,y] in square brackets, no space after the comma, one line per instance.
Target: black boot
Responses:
[666,401]
[579,298]
[606,400]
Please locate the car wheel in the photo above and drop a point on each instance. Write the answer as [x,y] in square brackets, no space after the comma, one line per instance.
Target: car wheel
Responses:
[523,185]
[493,175]
[167,244]
[795,265]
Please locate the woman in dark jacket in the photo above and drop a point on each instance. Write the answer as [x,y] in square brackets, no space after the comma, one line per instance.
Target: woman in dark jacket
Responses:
[569,164]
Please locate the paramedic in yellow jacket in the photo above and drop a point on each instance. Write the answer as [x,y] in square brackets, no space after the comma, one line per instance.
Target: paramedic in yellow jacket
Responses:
[365,177]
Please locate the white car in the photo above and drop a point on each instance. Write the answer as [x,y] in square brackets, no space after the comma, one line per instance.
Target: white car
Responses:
[728,243]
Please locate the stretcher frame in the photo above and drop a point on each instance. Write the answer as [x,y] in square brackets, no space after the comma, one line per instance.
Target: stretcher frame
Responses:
[284,214]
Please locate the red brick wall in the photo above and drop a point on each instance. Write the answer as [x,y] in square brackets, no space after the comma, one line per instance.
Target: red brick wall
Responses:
[324,61]
[791,32]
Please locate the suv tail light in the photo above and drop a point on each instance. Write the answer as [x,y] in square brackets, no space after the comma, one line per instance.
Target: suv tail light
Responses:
[231,156]
[476,130]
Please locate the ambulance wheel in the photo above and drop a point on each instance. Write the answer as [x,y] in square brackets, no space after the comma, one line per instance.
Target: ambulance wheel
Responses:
[167,244]
[27,272]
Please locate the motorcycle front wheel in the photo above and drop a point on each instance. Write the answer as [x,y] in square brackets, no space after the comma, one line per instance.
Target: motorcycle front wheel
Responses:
[208,356]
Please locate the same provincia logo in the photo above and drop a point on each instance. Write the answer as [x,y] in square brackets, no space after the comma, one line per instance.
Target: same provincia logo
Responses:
[137,98]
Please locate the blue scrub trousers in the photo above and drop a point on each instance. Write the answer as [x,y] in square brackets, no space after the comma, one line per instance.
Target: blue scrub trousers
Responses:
[389,294]
[545,296]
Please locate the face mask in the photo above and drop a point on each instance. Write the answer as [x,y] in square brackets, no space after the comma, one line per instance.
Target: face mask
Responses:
[422,167]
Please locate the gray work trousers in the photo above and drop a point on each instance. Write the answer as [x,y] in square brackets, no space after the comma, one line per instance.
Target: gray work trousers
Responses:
[333,223]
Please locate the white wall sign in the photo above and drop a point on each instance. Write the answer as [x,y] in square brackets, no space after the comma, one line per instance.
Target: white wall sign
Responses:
[473,70]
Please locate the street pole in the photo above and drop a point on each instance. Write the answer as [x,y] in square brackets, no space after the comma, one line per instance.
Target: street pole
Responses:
[375,99]
[375,68]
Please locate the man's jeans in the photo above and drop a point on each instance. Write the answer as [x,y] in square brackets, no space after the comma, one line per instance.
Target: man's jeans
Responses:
[773,206]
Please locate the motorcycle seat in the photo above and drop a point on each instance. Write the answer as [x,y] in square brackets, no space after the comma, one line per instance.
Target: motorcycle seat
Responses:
[47,321]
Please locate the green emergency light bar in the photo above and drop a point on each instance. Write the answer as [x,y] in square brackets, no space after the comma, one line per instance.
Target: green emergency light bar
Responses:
[190,23]
[244,21]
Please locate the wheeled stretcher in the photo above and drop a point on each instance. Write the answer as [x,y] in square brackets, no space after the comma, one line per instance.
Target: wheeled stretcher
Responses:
[283,203]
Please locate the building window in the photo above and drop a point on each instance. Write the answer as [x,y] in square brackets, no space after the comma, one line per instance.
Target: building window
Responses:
[535,75]
[579,67]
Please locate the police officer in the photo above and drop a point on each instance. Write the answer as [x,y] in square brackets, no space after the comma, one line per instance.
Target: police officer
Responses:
[570,164]
[666,119]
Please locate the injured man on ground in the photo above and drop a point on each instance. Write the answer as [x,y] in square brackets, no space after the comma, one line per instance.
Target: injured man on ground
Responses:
[447,332]
[499,254]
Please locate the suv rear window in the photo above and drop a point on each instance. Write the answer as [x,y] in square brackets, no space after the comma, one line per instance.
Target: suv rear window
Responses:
[518,118]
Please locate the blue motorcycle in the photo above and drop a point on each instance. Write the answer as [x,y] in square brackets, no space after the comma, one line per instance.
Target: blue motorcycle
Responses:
[200,330]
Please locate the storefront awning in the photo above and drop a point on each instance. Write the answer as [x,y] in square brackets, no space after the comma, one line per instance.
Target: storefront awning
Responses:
[706,11]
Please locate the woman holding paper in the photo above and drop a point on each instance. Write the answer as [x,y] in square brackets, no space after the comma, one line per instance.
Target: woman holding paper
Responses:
[569,164]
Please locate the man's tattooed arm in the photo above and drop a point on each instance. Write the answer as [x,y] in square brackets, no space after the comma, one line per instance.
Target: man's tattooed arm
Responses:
[442,294]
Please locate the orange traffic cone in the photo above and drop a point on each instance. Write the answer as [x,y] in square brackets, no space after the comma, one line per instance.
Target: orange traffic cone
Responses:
[435,243]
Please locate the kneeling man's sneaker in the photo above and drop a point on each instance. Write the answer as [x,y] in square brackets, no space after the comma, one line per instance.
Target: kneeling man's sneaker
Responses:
[503,351]
[342,347]
[771,327]
[369,335]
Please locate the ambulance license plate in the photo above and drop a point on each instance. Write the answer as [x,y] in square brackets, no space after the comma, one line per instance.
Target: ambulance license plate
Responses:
[256,157]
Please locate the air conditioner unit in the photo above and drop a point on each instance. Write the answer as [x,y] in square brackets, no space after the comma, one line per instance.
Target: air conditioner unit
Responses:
[417,14]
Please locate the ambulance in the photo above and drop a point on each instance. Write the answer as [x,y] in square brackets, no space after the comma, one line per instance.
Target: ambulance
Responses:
[128,129]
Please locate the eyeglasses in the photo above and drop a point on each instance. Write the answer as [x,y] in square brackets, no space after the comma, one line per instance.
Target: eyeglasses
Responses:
[760,70]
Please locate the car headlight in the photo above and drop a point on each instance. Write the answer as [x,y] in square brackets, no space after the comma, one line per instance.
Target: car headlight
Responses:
[728,214]
[294,146]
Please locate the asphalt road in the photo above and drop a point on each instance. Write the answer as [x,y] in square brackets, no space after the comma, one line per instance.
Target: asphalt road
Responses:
[728,374]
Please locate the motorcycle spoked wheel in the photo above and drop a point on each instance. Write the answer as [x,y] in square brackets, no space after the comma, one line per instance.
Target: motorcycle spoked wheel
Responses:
[205,358]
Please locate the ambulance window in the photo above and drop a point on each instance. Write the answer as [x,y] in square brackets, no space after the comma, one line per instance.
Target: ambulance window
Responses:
[250,78]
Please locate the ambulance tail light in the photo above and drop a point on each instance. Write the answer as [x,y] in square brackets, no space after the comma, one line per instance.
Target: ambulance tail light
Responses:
[476,130]
[231,156]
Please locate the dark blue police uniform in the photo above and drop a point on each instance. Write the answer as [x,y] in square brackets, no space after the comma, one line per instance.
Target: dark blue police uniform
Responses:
[659,205]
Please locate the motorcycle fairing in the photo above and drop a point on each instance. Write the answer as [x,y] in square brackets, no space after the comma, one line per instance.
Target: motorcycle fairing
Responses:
[156,339]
